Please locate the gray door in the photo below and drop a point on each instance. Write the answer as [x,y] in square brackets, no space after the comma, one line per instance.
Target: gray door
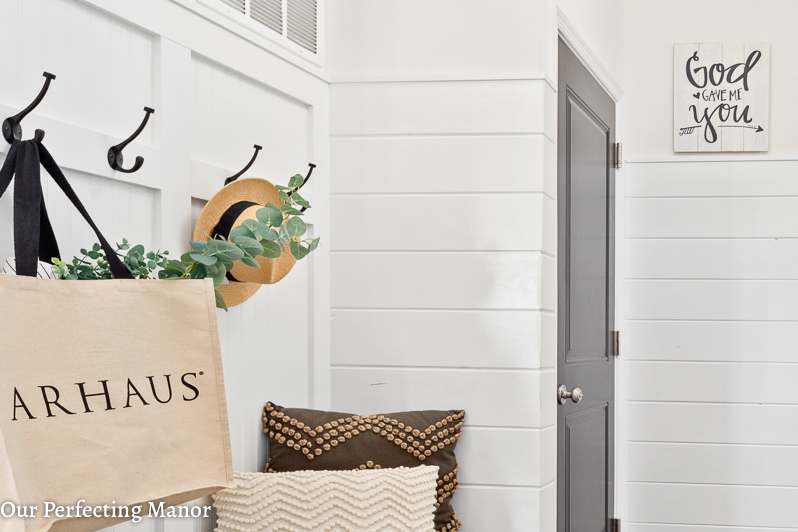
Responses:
[585,429]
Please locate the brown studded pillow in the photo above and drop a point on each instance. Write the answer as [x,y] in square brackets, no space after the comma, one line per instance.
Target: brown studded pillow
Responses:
[302,439]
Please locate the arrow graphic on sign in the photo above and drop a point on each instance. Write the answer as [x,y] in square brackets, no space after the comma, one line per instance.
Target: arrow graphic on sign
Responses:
[757,128]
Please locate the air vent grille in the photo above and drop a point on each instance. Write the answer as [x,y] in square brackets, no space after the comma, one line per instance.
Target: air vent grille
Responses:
[267,12]
[294,21]
[238,5]
[302,20]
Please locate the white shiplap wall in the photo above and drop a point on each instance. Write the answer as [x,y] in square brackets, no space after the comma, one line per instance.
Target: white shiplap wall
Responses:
[444,276]
[215,94]
[711,282]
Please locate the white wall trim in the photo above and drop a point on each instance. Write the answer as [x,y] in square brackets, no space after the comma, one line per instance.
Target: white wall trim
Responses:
[444,77]
[576,43]
[710,159]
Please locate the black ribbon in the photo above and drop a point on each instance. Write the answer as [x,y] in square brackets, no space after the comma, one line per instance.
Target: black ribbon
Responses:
[34,239]
[225,225]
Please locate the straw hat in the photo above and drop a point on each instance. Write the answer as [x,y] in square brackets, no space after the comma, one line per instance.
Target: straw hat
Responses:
[228,208]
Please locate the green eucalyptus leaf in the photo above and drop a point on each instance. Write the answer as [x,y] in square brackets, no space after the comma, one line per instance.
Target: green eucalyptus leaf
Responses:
[219,277]
[314,244]
[285,238]
[225,250]
[83,251]
[271,250]
[280,187]
[290,210]
[152,265]
[249,245]
[199,272]
[284,196]
[241,231]
[176,265]
[295,181]
[203,259]
[249,261]
[220,301]
[250,224]
[299,251]
[302,203]
[296,227]
[137,250]
[270,215]
[212,270]
[199,245]
[266,232]
[185,258]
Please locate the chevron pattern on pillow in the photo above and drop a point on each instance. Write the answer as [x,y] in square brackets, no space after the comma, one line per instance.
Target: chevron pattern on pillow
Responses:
[385,500]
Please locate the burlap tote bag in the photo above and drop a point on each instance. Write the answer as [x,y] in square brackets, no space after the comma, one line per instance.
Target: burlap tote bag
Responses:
[111,392]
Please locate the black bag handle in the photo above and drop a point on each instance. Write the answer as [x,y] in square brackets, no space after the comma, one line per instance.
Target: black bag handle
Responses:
[48,247]
[33,234]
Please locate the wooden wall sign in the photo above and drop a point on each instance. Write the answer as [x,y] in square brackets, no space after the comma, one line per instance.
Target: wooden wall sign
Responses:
[721,97]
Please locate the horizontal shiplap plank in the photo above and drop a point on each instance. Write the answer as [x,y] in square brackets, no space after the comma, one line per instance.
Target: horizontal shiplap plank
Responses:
[490,398]
[713,505]
[477,339]
[485,451]
[446,107]
[712,178]
[756,465]
[444,280]
[713,423]
[484,509]
[772,258]
[719,300]
[658,527]
[712,217]
[712,341]
[503,222]
[513,163]
[713,382]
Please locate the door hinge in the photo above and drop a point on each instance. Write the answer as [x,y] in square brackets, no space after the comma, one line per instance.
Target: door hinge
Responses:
[616,343]
[617,155]
[615,525]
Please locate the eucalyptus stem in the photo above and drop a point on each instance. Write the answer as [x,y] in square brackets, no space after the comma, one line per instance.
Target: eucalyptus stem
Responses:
[275,231]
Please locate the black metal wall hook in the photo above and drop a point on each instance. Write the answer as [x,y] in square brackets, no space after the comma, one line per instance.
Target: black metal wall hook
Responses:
[247,167]
[12,129]
[115,157]
[310,171]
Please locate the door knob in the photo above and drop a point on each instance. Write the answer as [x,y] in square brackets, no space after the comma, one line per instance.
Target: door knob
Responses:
[574,395]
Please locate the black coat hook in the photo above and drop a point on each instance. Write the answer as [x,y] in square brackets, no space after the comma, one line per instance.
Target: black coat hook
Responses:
[115,158]
[12,130]
[247,167]
[312,166]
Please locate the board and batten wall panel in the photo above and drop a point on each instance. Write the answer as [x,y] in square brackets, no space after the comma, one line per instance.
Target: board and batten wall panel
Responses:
[444,276]
[711,283]
[215,95]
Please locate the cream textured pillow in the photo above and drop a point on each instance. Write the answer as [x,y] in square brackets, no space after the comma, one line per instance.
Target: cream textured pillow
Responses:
[371,500]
